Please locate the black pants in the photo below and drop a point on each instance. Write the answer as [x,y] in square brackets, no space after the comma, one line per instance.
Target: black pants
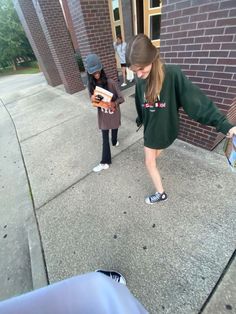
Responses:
[106,152]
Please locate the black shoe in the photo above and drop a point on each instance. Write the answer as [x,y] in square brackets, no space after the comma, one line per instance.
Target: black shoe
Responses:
[113,275]
[157,197]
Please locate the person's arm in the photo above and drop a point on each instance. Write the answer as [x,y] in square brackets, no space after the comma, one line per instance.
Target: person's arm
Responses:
[120,99]
[124,47]
[198,106]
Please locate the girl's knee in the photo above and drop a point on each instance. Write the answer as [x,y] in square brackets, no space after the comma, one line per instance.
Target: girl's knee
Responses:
[150,162]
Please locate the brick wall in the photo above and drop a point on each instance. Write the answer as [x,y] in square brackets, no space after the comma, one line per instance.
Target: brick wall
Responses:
[127,19]
[34,32]
[54,27]
[199,35]
[69,24]
[91,20]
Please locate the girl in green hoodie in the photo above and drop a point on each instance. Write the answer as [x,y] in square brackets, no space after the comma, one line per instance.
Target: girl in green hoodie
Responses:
[160,91]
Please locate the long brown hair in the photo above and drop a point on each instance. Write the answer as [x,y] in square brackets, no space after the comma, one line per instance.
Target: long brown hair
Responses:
[141,52]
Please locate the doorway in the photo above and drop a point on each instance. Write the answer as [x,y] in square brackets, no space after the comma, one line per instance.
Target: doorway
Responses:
[148,19]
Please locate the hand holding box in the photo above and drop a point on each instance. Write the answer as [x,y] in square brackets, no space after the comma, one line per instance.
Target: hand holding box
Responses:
[105,97]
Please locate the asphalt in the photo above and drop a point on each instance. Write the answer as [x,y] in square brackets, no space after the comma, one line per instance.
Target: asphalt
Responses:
[59,219]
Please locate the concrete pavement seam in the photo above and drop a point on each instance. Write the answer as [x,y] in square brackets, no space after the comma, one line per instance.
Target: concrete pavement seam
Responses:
[11,102]
[233,256]
[82,178]
[56,125]
[37,257]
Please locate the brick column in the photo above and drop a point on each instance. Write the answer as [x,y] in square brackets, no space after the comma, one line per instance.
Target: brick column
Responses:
[35,35]
[69,23]
[127,19]
[53,24]
[91,20]
[201,38]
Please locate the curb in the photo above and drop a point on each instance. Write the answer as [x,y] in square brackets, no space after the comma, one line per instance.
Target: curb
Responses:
[37,263]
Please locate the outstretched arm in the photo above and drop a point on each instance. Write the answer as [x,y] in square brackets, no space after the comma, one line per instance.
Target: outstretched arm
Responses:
[200,108]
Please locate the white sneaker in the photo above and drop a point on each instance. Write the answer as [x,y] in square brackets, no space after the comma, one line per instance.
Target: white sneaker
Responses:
[130,81]
[100,167]
[123,84]
[117,143]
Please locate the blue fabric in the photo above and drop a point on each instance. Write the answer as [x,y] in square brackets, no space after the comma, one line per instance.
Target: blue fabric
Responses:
[85,294]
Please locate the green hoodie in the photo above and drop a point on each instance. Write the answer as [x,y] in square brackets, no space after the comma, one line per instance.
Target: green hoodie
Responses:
[161,121]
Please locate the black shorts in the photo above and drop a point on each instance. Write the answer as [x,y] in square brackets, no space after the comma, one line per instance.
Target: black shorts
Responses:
[123,65]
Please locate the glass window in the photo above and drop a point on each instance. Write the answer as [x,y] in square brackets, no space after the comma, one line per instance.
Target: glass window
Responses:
[115,8]
[155,24]
[154,3]
[118,30]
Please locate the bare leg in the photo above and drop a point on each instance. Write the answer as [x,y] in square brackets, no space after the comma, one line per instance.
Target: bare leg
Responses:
[123,70]
[150,162]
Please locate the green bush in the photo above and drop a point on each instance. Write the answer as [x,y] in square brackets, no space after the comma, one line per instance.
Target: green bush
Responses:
[79,62]
[28,64]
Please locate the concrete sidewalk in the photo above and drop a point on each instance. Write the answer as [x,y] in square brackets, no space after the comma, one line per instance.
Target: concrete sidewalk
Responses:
[74,220]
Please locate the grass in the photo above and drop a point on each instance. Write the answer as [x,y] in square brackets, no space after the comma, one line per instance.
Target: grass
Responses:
[30,68]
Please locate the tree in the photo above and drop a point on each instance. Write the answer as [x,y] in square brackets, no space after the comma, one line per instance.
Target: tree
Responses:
[14,45]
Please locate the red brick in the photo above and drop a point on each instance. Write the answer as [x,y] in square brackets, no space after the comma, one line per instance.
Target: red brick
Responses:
[181,20]
[187,54]
[206,24]
[197,67]
[229,46]
[182,5]
[190,11]
[230,30]
[205,74]
[205,39]
[214,31]
[228,82]
[177,60]
[232,90]
[230,69]
[225,38]
[187,40]
[211,46]
[193,47]
[223,75]
[179,34]
[232,54]
[198,17]
[175,28]
[211,81]
[173,14]
[200,54]
[197,32]
[209,7]
[218,88]
[227,61]
[232,13]
[218,14]
[219,53]
[207,61]
[227,4]
[188,26]
[226,22]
